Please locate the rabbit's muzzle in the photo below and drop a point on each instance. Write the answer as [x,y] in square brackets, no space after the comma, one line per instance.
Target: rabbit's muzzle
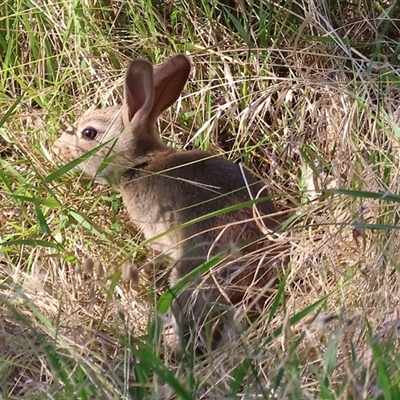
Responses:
[61,151]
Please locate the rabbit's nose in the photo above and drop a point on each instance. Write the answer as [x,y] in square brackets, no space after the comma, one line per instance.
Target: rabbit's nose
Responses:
[60,151]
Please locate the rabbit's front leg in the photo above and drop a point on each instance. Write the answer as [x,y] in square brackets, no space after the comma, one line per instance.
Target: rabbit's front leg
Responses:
[199,318]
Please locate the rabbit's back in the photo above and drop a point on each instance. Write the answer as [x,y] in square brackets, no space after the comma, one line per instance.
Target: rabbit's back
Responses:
[178,187]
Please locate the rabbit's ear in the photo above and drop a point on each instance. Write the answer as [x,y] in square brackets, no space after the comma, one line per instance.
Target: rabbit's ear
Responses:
[139,89]
[169,79]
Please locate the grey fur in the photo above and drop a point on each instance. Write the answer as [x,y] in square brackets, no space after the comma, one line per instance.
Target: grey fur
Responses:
[163,188]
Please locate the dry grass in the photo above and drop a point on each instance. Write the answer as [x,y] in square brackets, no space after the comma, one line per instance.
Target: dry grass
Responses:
[309,101]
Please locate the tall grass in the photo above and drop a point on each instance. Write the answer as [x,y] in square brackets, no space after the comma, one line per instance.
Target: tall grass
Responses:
[306,94]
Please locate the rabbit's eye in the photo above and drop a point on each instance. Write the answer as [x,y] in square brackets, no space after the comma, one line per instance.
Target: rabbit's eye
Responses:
[89,133]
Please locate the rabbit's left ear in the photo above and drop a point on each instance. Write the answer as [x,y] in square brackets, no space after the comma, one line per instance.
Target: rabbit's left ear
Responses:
[139,90]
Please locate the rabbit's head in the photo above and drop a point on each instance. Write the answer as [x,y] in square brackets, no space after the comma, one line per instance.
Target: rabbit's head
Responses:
[124,137]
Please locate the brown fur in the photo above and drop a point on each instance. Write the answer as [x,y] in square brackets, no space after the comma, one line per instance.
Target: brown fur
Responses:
[163,189]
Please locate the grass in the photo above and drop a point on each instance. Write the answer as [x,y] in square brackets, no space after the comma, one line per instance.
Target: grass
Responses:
[304,93]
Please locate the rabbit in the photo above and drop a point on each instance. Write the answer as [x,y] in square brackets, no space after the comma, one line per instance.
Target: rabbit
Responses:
[164,189]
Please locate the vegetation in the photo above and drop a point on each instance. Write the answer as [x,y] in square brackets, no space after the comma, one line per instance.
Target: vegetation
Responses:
[306,94]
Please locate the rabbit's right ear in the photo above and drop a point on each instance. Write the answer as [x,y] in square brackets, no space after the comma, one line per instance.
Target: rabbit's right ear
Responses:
[169,79]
